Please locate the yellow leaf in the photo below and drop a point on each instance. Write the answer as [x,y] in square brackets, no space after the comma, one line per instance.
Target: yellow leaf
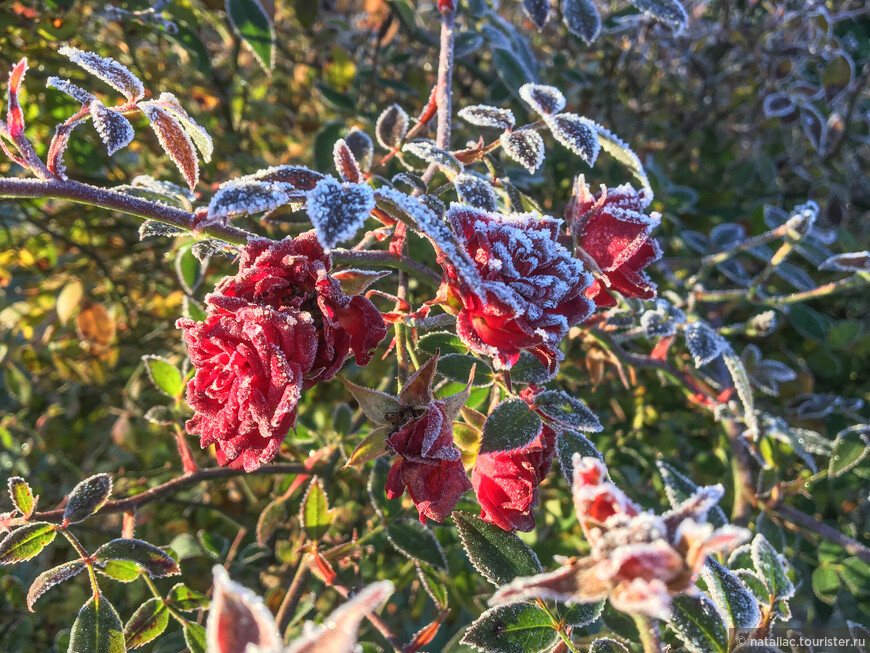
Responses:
[95,325]
[69,299]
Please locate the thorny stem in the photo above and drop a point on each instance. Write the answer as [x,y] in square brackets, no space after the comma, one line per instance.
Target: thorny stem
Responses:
[649,634]
[179,483]
[294,593]
[741,467]
[798,519]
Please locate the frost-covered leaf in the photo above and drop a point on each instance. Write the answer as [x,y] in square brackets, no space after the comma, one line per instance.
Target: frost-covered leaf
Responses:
[777,105]
[391,127]
[576,133]
[361,146]
[378,406]
[511,425]
[765,374]
[852,262]
[486,116]
[704,343]
[795,276]
[680,488]
[815,127]
[197,133]
[14,113]
[26,542]
[412,539]
[245,198]
[526,147]
[373,446]
[579,615]
[742,385]
[433,584]
[114,129]
[345,162]
[87,498]
[185,599]
[76,92]
[736,603]
[545,100]
[97,628]
[538,11]
[514,628]
[54,576]
[475,191]
[498,555]
[237,618]
[432,154]
[657,325]
[771,568]
[582,19]
[174,140]
[607,645]
[315,515]
[108,70]
[251,22]
[849,448]
[297,177]
[147,623]
[697,622]
[568,443]
[153,560]
[195,637]
[414,181]
[514,69]
[337,211]
[670,12]
[561,407]
[616,148]
[21,495]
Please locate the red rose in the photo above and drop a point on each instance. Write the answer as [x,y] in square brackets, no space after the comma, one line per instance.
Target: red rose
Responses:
[522,289]
[250,361]
[506,482]
[294,272]
[611,229]
[427,464]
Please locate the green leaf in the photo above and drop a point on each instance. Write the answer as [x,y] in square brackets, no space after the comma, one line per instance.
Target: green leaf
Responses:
[607,645]
[87,498]
[164,375]
[771,567]
[678,488]
[511,425]
[579,615]
[567,444]
[433,584]
[188,268]
[121,570]
[560,407]
[97,629]
[372,446]
[316,516]
[55,576]
[457,367]
[616,148]
[409,537]
[514,628]
[498,555]
[336,98]
[378,406]
[272,516]
[147,623]
[190,41]
[154,561]
[856,574]
[306,12]
[21,495]
[185,599]
[26,542]
[252,23]
[736,603]
[444,342]
[529,369]
[849,449]
[826,583]
[809,322]
[696,621]
[510,68]
[194,637]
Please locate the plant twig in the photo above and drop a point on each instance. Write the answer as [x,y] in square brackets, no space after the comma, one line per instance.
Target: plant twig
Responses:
[294,593]
[795,517]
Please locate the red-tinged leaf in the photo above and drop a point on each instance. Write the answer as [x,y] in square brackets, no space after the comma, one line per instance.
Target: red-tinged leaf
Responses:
[108,70]
[14,116]
[147,623]
[48,579]
[114,129]
[373,446]
[156,562]
[426,634]
[323,568]
[174,140]
[338,633]
[238,617]
[26,542]
[345,163]
[197,134]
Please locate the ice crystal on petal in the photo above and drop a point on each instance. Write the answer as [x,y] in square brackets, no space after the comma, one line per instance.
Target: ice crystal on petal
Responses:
[577,134]
[526,147]
[337,211]
[475,191]
[543,99]
[108,70]
[114,129]
[391,127]
[582,19]
[66,86]
[486,116]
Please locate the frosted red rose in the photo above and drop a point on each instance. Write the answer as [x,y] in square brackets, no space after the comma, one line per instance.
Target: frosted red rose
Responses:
[611,229]
[250,361]
[521,291]
[427,464]
[294,273]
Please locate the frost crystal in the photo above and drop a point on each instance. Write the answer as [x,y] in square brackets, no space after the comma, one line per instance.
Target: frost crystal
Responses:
[197,133]
[361,145]
[852,262]
[475,191]
[391,127]
[432,154]
[345,162]
[110,71]
[413,181]
[543,99]
[65,86]
[298,177]
[174,140]
[486,116]
[337,211]
[151,228]
[114,129]
[582,19]
[538,11]
[526,147]
[244,198]
[704,343]
[670,12]
[576,133]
